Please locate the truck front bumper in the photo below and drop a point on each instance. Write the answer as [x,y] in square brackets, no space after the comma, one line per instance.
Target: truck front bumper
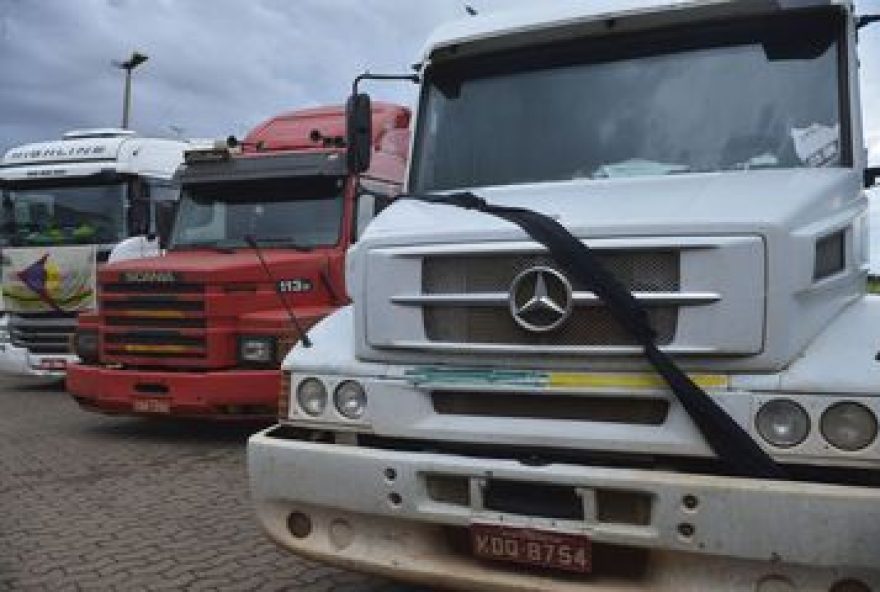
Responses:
[701,532]
[18,361]
[231,394]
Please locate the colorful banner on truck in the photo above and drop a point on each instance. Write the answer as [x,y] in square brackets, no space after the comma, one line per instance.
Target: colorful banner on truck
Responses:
[55,279]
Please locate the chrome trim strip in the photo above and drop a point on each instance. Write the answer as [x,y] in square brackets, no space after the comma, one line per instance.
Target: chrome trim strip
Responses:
[530,349]
[476,299]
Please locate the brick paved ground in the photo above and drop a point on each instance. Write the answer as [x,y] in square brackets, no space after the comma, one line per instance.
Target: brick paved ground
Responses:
[89,502]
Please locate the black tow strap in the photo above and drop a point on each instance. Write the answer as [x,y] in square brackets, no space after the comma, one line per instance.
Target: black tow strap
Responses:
[734,447]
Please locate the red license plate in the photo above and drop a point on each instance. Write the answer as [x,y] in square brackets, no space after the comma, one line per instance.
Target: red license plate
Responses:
[145,405]
[527,546]
[53,364]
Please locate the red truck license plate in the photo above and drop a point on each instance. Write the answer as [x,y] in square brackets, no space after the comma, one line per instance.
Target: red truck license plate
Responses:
[151,405]
[53,364]
[532,547]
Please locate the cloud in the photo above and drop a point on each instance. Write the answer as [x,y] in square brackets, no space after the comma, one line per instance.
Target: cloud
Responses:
[218,67]
[215,67]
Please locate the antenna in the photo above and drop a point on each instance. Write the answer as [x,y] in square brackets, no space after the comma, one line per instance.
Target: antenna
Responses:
[252,243]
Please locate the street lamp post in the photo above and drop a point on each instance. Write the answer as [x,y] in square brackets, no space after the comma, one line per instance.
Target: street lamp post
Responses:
[128,65]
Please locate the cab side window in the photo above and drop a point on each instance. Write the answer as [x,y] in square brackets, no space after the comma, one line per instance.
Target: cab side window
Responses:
[372,199]
[163,197]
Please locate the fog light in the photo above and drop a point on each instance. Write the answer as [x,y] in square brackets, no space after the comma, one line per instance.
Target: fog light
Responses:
[350,399]
[256,349]
[299,525]
[312,396]
[783,423]
[848,426]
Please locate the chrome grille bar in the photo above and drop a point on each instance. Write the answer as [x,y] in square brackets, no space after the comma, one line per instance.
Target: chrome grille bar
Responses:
[580,299]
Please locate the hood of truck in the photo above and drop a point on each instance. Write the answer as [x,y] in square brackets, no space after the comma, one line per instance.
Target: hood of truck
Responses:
[754,202]
[210,266]
[747,242]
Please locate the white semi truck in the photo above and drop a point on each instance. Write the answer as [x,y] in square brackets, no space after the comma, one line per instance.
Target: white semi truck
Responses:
[495,411]
[65,205]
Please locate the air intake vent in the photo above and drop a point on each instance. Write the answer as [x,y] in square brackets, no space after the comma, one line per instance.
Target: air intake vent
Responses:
[830,255]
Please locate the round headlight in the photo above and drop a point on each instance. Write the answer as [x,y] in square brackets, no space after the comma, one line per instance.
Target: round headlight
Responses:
[783,423]
[312,396]
[848,426]
[350,399]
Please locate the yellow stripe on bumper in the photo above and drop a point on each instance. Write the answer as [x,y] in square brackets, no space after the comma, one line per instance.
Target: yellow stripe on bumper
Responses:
[159,349]
[640,380]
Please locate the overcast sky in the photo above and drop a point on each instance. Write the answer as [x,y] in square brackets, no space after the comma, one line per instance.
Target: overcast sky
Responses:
[217,67]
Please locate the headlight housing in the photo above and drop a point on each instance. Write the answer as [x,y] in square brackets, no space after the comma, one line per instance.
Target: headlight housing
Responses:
[256,350]
[848,426]
[85,346]
[350,399]
[311,395]
[783,423]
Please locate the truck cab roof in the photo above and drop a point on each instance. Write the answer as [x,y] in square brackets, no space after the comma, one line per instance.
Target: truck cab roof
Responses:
[89,152]
[567,19]
[305,142]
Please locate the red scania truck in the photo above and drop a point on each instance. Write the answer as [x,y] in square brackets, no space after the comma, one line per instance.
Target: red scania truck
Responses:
[256,256]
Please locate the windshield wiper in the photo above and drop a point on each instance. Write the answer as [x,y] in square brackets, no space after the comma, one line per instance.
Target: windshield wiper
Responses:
[217,246]
[765,160]
[634,167]
[282,241]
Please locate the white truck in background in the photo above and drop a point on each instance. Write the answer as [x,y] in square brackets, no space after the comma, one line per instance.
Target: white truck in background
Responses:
[481,419]
[65,205]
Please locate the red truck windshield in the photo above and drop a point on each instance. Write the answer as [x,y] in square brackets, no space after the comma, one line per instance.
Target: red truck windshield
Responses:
[727,96]
[286,212]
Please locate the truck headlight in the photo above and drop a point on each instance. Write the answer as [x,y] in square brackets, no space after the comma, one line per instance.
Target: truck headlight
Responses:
[256,350]
[312,396]
[85,346]
[848,426]
[783,423]
[350,399]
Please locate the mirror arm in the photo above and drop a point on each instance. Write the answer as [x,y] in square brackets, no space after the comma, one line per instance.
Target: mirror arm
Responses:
[866,20]
[414,78]
[872,174]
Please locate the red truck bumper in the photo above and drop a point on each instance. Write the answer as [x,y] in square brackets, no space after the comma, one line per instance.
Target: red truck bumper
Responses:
[230,394]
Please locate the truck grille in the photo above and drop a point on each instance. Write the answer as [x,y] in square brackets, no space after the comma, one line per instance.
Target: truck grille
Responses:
[154,321]
[43,333]
[640,271]
[590,323]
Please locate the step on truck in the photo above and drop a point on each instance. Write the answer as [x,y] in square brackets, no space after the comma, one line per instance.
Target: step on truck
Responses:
[257,254]
[65,205]
[615,335]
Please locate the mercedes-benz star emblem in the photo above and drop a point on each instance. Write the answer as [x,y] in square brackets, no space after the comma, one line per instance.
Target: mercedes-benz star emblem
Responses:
[540,299]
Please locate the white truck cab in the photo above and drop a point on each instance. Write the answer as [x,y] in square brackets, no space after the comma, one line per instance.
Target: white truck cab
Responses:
[478,419]
[65,205]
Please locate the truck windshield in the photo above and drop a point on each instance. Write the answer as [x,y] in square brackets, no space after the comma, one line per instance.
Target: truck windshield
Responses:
[735,96]
[64,215]
[289,212]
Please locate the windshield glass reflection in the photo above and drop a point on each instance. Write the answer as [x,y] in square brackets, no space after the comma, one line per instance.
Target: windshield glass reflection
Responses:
[67,215]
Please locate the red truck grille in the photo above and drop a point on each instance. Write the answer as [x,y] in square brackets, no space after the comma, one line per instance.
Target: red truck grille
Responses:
[149,321]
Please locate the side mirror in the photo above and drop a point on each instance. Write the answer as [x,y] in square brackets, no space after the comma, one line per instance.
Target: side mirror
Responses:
[358,132]
[166,211]
[872,174]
